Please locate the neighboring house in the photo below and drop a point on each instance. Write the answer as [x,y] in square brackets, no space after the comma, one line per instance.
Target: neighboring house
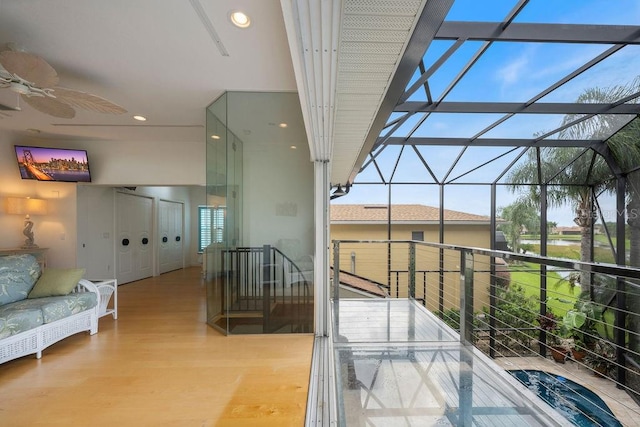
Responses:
[567,231]
[409,222]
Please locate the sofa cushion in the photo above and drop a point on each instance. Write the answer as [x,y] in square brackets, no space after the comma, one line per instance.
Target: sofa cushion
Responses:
[18,274]
[56,308]
[56,281]
[17,317]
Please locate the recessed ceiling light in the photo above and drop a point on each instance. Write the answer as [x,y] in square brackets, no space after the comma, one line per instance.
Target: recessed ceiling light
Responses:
[283,125]
[32,130]
[240,19]
[215,136]
[140,118]
[293,147]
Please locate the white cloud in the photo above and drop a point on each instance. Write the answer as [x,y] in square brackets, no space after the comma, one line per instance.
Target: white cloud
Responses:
[512,72]
[440,125]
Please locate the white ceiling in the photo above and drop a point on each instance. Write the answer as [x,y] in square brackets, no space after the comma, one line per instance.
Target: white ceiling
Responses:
[160,59]
[154,58]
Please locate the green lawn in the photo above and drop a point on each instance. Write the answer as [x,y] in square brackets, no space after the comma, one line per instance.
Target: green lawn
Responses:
[601,238]
[557,290]
[573,252]
[560,296]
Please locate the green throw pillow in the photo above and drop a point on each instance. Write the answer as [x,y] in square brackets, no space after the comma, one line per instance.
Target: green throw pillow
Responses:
[56,281]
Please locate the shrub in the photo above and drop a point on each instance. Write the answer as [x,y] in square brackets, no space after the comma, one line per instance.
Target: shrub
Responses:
[515,313]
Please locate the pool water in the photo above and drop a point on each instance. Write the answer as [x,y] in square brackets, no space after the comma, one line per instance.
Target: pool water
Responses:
[578,404]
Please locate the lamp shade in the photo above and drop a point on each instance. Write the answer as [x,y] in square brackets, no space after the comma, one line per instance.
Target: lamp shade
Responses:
[26,206]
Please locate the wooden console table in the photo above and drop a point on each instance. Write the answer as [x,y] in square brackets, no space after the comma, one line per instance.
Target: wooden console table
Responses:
[39,253]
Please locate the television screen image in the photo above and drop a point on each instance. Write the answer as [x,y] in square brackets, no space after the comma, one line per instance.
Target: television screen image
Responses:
[53,164]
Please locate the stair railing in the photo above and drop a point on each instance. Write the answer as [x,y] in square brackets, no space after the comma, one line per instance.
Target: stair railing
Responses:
[265,280]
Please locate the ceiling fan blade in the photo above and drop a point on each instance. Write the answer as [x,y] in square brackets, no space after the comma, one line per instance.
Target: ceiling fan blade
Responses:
[87,101]
[30,67]
[50,106]
[4,74]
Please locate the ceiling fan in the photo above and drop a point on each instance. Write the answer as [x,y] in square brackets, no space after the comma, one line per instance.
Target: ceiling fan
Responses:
[35,81]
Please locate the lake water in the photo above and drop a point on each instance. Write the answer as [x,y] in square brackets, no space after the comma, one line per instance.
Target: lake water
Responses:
[560,242]
[555,242]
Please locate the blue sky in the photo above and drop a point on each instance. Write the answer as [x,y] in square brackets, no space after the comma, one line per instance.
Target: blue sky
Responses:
[507,72]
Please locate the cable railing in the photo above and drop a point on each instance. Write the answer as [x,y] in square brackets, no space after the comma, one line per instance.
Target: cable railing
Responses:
[518,309]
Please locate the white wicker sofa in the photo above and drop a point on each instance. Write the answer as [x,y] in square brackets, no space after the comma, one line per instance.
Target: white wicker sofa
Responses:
[39,309]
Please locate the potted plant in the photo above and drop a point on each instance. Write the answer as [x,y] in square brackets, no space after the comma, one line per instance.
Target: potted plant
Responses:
[578,349]
[556,334]
[602,359]
[581,322]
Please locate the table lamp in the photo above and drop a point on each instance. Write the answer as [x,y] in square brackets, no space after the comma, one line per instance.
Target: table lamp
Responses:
[27,206]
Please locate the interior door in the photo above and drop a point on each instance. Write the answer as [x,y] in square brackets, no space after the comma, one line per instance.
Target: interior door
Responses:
[170,226]
[134,248]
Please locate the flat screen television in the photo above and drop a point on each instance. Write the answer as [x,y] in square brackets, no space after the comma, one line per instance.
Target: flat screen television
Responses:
[53,164]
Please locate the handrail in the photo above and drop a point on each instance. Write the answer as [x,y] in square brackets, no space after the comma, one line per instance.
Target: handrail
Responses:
[293,264]
[258,283]
[592,267]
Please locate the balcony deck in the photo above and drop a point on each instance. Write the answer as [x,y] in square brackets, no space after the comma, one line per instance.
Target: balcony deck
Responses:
[398,364]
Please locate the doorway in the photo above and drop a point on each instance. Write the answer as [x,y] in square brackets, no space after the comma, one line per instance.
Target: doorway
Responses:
[170,233]
[134,245]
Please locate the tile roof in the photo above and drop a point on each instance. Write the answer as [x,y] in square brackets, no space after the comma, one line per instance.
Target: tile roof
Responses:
[399,213]
[360,283]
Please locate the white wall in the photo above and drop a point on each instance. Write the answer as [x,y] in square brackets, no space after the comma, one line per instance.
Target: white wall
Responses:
[117,163]
[112,163]
[278,195]
[280,206]
[57,229]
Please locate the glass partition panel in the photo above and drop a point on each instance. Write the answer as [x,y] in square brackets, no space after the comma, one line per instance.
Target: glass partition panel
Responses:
[260,181]
[216,202]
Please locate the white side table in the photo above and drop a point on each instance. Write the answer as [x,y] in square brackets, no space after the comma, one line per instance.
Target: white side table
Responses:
[106,288]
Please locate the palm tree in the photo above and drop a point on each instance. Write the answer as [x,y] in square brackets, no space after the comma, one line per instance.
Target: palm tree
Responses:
[625,149]
[570,175]
[622,135]
[588,173]
[519,215]
[625,146]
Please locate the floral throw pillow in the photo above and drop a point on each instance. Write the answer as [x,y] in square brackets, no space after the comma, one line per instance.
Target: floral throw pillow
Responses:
[18,274]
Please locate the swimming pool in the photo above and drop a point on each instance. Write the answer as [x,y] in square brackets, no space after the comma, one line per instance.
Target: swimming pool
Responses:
[578,404]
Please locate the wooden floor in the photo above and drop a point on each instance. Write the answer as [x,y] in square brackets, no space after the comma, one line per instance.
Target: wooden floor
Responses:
[159,364]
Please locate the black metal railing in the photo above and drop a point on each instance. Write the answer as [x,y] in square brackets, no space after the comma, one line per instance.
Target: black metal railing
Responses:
[264,284]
